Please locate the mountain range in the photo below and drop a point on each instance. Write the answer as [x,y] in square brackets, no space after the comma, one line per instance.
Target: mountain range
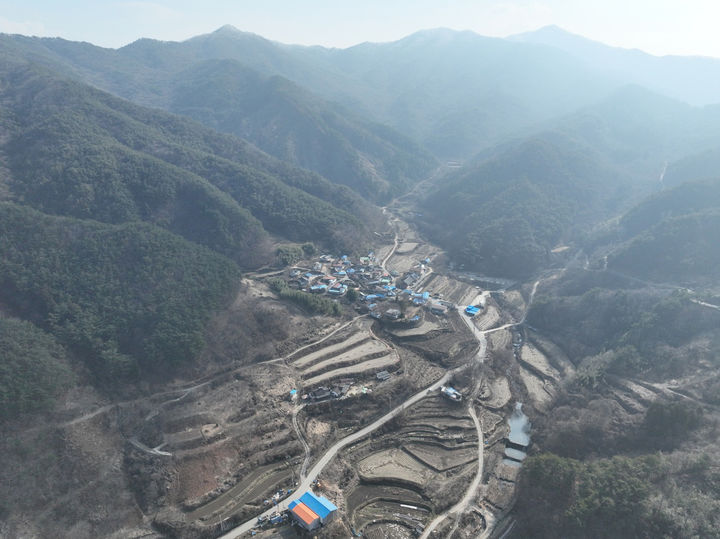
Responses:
[233,143]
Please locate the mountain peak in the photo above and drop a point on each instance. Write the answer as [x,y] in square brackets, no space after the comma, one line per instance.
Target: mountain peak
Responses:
[549,34]
[228,29]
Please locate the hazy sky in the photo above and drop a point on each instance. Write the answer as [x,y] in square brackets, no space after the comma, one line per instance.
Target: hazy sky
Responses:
[656,26]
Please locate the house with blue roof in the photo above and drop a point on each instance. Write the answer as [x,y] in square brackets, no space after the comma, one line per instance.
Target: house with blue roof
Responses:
[319,505]
[311,511]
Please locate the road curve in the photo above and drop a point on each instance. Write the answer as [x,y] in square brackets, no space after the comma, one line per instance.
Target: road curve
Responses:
[333,451]
[460,507]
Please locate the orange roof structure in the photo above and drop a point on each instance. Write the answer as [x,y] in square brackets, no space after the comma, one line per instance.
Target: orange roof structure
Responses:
[305,514]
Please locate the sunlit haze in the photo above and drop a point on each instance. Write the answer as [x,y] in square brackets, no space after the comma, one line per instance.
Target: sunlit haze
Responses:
[660,27]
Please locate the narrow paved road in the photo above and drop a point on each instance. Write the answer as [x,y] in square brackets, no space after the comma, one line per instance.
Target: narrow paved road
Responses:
[459,508]
[306,447]
[705,304]
[330,454]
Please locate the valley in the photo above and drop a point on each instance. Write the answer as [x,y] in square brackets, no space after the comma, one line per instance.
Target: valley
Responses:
[240,296]
[391,474]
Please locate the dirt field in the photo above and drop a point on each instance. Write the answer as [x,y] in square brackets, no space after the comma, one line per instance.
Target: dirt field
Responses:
[535,388]
[405,260]
[498,394]
[440,458]
[500,340]
[373,365]
[406,247]
[302,362]
[537,359]
[488,318]
[449,289]
[394,465]
[554,354]
[352,355]
[423,329]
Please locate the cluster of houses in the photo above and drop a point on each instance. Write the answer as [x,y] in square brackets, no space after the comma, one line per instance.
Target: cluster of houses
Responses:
[335,276]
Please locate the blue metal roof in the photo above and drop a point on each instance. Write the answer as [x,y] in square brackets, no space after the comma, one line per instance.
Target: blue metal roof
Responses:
[293,504]
[319,505]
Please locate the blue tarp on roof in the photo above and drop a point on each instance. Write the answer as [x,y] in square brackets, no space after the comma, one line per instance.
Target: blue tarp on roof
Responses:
[426,295]
[319,505]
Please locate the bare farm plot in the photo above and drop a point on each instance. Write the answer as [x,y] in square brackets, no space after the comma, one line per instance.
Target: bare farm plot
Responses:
[352,355]
[499,393]
[537,359]
[260,481]
[536,389]
[370,365]
[441,459]
[394,465]
[407,247]
[488,319]
[308,359]
[423,329]
[500,340]
[449,289]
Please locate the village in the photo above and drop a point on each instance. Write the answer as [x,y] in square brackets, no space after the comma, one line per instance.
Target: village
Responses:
[378,422]
[383,294]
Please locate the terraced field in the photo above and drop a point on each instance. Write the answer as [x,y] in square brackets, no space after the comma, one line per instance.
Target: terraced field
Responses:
[488,318]
[449,289]
[250,488]
[419,331]
[355,352]
[497,393]
[374,365]
[536,359]
[415,470]
[406,247]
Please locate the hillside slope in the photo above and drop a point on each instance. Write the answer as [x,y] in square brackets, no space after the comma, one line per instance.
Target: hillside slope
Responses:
[207,82]
[72,150]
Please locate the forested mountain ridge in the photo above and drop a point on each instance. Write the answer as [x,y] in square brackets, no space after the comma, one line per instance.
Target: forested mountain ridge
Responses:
[74,150]
[212,87]
[288,122]
[517,205]
[455,93]
[124,230]
[124,299]
[672,236]
[517,201]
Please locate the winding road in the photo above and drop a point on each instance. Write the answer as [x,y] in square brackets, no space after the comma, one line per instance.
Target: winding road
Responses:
[330,454]
[305,445]
[460,507]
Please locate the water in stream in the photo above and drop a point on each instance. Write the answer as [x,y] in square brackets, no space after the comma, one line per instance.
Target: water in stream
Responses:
[519,436]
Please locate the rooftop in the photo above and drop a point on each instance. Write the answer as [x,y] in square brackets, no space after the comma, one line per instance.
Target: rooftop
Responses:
[307,515]
[319,505]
